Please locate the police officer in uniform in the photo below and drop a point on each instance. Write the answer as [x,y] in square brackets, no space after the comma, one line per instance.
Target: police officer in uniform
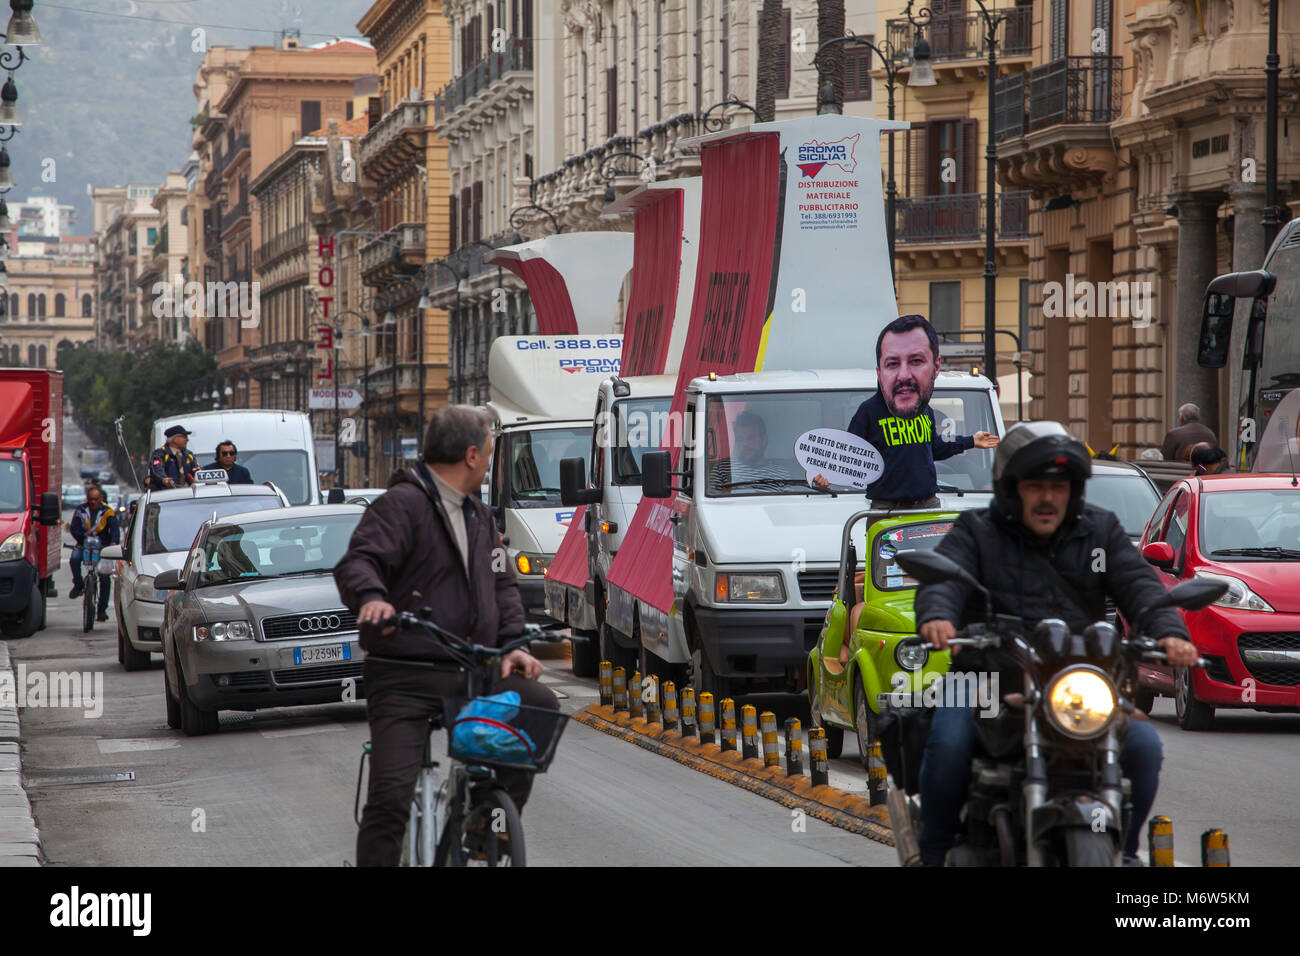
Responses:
[171,466]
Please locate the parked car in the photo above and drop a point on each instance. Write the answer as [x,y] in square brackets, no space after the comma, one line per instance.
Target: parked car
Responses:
[847,696]
[253,618]
[156,539]
[1242,529]
[1125,489]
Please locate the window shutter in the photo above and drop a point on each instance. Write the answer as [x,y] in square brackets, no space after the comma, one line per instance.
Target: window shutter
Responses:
[489,23]
[611,101]
[1102,16]
[857,73]
[452,245]
[1059,26]
[968,168]
[478,211]
[916,181]
[466,208]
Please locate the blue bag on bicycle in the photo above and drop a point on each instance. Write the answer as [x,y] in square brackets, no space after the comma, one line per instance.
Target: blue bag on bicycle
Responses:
[483,731]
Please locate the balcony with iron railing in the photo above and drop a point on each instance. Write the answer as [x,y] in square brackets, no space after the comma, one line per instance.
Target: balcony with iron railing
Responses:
[963,36]
[396,140]
[1052,124]
[234,215]
[233,147]
[399,251]
[293,238]
[515,59]
[959,218]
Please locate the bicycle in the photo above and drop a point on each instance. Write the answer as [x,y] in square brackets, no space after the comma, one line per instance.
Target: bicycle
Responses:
[469,818]
[89,549]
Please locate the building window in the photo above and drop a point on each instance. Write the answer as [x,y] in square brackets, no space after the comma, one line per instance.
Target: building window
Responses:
[477,216]
[60,305]
[86,305]
[659,61]
[725,52]
[584,101]
[699,56]
[309,117]
[1024,315]
[452,224]
[40,305]
[1059,29]
[945,306]
[857,72]
[31,355]
[41,357]
[783,68]
[635,72]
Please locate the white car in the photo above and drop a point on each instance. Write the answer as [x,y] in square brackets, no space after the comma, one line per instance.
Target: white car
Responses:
[157,539]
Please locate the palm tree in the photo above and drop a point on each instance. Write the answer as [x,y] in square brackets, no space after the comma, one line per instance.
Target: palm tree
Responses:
[830,24]
[771,59]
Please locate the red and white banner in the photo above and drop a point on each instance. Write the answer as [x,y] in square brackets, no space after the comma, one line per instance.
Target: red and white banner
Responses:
[573,279]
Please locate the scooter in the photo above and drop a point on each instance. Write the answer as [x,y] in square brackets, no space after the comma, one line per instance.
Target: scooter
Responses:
[1050,791]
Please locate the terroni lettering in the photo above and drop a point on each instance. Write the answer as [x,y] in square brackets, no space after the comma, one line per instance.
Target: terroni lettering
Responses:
[75,909]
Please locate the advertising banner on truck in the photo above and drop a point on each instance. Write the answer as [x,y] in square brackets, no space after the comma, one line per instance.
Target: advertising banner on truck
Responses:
[573,279]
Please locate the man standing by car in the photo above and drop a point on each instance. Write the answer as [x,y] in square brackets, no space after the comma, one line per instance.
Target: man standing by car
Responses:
[1036,549]
[172,466]
[429,542]
[1190,431]
[93,518]
[898,420]
[226,454]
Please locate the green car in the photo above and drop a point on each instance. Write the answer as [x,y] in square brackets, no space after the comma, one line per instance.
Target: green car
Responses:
[844,695]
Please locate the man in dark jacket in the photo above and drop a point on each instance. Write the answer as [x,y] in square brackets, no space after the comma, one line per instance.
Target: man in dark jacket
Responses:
[1037,522]
[172,466]
[94,518]
[226,453]
[429,542]
[1190,431]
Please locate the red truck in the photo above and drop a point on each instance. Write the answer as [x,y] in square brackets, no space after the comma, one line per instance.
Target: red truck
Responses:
[31,479]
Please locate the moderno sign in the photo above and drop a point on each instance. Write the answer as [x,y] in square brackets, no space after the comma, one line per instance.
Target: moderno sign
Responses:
[841,457]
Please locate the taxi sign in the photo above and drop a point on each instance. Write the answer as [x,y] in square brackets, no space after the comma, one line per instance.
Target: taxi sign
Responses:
[211,474]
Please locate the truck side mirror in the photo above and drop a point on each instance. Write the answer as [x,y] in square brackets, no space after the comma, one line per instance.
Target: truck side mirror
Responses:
[655,478]
[48,512]
[573,483]
[1220,303]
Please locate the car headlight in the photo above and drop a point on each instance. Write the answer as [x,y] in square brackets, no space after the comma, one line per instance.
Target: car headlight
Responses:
[144,589]
[911,657]
[1239,595]
[13,547]
[763,587]
[1081,701]
[529,562]
[224,631]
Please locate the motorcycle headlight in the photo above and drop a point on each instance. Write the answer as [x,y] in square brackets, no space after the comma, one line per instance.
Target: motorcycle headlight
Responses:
[13,547]
[224,631]
[530,563]
[1238,595]
[764,588]
[1081,701]
[144,589]
[911,657]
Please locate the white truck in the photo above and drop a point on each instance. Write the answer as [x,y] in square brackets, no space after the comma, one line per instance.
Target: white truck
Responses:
[754,562]
[541,390]
[273,445]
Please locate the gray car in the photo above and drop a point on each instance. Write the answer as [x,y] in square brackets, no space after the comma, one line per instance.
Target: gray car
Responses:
[253,618]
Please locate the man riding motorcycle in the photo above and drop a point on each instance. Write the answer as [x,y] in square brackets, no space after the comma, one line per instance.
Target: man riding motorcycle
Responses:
[1042,553]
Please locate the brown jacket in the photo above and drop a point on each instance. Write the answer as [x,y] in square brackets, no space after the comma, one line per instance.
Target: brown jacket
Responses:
[1179,440]
[403,552]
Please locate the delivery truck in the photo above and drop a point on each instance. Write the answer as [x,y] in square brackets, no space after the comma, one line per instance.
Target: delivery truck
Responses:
[31,477]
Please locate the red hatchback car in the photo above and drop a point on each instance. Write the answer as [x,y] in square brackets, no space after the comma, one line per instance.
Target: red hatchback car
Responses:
[1245,530]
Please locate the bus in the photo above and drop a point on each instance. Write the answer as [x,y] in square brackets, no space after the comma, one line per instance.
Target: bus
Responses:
[1268,403]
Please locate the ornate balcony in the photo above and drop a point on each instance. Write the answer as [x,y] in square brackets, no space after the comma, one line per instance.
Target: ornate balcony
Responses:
[960,218]
[957,37]
[396,141]
[458,98]
[399,251]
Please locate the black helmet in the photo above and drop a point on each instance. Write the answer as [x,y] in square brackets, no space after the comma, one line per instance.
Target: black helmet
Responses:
[1039,451]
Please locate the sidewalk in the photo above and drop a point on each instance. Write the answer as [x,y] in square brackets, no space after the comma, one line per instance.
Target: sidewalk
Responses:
[20,843]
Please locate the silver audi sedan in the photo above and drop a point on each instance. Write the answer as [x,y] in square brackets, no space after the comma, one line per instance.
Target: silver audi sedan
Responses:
[254,620]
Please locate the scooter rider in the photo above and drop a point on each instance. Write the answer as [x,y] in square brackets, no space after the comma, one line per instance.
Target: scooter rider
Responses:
[1042,553]
[172,466]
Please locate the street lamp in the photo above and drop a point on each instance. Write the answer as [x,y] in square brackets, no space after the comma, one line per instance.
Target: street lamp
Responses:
[22,30]
[714,125]
[609,173]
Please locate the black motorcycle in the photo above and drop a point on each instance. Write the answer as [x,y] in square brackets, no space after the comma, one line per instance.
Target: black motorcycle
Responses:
[1049,792]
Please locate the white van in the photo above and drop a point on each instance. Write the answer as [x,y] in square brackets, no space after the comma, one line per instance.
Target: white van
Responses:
[754,562]
[273,445]
[542,388]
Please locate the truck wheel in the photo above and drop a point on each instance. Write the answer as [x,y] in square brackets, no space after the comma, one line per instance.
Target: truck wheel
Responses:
[704,680]
[586,654]
[614,652]
[195,722]
[26,625]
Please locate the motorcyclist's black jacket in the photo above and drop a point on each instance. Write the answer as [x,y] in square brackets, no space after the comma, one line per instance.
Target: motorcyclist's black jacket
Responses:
[1011,561]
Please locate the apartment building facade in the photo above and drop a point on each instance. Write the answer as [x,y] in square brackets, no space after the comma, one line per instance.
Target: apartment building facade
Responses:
[49,299]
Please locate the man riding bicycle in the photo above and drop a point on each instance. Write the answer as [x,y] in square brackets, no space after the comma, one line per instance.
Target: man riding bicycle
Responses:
[429,542]
[93,518]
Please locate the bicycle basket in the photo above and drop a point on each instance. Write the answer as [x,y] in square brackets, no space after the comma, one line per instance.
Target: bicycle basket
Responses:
[500,732]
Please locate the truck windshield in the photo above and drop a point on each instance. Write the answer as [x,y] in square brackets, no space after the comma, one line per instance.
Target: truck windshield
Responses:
[638,428]
[288,468]
[760,460]
[534,457]
[172,525]
[13,486]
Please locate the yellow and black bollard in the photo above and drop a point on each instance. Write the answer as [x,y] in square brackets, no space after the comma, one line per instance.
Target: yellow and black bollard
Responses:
[620,689]
[1160,842]
[635,706]
[708,730]
[793,747]
[817,757]
[606,683]
[877,790]
[771,747]
[748,731]
[728,724]
[689,728]
[670,706]
[1214,848]
[650,685]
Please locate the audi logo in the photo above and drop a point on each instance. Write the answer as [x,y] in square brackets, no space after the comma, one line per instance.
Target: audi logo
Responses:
[320,622]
